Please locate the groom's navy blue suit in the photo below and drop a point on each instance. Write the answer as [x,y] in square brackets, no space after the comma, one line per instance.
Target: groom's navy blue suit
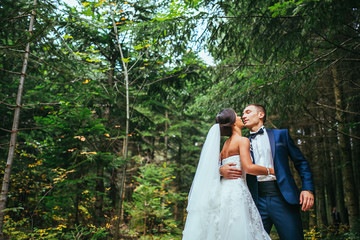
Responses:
[284,210]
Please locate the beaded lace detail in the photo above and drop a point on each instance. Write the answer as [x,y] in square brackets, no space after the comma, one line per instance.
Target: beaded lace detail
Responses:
[239,216]
[231,216]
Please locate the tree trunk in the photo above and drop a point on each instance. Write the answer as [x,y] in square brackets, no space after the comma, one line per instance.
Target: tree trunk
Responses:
[114,173]
[76,205]
[340,203]
[356,148]
[320,193]
[345,156]
[166,136]
[319,187]
[330,171]
[113,189]
[14,130]
[99,198]
[309,145]
[179,215]
[126,140]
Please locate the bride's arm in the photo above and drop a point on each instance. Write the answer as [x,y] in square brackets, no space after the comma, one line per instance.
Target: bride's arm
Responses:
[247,165]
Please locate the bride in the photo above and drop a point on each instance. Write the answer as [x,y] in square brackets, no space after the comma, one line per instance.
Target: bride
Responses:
[220,208]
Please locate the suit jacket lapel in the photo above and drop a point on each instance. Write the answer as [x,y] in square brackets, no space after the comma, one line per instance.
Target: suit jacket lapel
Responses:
[252,156]
[251,151]
[272,141]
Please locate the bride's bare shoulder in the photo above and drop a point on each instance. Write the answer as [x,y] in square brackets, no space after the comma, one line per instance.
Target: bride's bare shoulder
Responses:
[240,140]
[244,140]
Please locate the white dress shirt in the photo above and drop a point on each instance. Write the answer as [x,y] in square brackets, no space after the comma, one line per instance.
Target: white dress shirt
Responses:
[262,154]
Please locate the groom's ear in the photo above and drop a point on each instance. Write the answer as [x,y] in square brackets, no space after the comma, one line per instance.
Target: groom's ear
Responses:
[261,115]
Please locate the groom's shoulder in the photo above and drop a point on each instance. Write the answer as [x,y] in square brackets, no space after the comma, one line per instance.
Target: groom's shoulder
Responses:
[278,131]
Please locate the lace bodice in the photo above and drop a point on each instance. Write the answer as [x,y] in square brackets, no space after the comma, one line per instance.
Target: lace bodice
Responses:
[233,159]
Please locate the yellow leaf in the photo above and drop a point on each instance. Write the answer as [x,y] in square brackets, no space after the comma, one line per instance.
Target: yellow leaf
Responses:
[107,135]
[142,67]
[86,153]
[81,138]
[66,37]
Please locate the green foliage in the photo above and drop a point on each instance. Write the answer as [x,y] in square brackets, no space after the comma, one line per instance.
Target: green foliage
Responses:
[274,53]
[330,232]
[67,168]
[18,230]
[152,207]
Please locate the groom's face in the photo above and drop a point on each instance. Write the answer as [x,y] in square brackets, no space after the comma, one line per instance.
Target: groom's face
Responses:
[251,116]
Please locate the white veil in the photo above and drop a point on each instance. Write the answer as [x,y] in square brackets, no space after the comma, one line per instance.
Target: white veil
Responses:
[204,197]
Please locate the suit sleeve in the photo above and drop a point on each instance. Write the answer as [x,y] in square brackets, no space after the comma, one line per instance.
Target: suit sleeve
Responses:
[301,164]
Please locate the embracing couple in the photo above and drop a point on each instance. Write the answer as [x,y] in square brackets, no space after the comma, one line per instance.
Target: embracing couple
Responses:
[242,191]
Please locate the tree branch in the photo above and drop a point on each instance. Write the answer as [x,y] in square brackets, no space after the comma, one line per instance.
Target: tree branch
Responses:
[330,127]
[5,130]
[254,16]
[335,108]
[33,104]
[164,78]
[4,70]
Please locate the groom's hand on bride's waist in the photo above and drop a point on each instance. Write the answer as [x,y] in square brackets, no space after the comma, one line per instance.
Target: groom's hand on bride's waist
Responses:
[227,171]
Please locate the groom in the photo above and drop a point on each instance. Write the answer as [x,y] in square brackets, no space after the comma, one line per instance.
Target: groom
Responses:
[276,196]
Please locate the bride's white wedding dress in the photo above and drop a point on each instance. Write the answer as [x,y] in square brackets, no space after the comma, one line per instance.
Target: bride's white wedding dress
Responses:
[239,217]
[220,209]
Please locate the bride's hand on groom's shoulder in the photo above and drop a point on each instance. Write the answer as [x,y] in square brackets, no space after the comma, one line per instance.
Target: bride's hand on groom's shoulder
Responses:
[227,171]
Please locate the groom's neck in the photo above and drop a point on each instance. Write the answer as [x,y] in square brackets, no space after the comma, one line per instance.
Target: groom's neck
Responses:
[256,128]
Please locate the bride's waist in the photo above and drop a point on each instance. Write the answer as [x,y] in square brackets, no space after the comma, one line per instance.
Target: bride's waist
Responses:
[242,179]
[237,163]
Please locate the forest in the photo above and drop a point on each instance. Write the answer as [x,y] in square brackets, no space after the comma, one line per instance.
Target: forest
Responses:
[105,106]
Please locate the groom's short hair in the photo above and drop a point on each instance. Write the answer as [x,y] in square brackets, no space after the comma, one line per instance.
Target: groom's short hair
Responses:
[260,108]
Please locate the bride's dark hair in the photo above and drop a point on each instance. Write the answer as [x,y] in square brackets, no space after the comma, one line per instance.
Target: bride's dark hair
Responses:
[226,118]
